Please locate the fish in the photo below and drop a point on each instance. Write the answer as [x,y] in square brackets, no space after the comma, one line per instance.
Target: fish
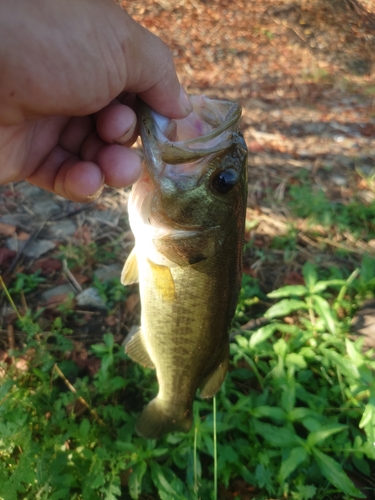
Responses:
[187,213]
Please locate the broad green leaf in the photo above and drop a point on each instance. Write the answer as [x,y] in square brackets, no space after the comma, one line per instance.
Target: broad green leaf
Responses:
[167,483]
[99,480]
[280,347]
[99,348]
[354,355]
[62,494]
[306,491]
[324,310]
[296,457]
[268,411]
[288,397]
[285,307]
[296,360]
[263,476]
[320,286]
[261,335]
[324,432]
[84,429]
[335,474]
[368,423]
[109,340]
[288,291]
[310,276]
[347,367]
[242,341]
[135,479]
[276,436]
[301,413]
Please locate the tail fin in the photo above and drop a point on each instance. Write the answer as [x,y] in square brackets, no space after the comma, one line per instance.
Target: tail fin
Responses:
[160,417]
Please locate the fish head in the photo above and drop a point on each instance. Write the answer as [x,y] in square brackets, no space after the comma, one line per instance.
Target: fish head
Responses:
[194,182]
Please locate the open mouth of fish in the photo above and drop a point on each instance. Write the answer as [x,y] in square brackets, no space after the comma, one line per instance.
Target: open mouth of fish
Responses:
[207,130]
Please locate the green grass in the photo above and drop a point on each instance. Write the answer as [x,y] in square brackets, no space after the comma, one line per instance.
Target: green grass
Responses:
[312,203]
[295,417]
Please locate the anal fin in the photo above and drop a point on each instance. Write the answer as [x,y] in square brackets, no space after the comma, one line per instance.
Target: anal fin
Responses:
[136,349]
[129,273]
[211,384]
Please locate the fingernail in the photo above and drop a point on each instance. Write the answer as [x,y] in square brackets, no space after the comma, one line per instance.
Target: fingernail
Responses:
[185,100]
[96,195]
[127,136]
[98,192]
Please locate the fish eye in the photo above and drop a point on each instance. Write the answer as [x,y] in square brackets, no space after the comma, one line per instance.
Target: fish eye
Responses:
[225,180]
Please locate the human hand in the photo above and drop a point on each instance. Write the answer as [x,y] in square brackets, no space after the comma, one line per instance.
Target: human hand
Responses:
[66,68]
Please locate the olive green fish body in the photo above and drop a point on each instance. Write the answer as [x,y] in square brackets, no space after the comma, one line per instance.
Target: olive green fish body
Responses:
[188,221]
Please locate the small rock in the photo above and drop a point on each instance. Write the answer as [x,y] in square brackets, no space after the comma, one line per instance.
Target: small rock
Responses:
[28,190]
[364,324]
[90,298]
[46,207]
[19,221]
[110,216]
[107,273]
[60,230]
[339,138]
[34,251]
[339,180]
[55,292]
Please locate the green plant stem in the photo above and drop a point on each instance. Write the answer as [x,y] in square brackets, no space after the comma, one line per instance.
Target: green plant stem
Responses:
[195,460]
[344,288]
[10,299]
[80,398]
[215,449]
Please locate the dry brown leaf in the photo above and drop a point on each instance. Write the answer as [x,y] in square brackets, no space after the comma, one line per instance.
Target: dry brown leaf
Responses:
[3,355]
[57,299]
[80,278]
[7,229]
[111,320]
[132,302]
[294,278]
[6,256]
[23,236]
[46,266]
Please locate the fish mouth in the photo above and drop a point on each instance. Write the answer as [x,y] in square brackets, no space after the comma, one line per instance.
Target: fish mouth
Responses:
[206,131]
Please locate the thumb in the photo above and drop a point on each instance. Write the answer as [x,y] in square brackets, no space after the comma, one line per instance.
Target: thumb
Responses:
[151,73]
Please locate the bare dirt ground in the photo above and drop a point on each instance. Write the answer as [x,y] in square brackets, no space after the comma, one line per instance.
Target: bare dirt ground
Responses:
[304,73]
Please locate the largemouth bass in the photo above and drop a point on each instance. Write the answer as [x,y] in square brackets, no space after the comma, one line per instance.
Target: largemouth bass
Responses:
[187,213]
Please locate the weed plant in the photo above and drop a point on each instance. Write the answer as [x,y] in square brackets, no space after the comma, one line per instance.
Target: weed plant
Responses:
[295,417]
[310,202]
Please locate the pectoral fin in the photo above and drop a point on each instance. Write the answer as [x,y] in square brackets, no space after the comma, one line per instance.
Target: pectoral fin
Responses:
[129,273]
[163,283]
[211,384]
[136,349]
